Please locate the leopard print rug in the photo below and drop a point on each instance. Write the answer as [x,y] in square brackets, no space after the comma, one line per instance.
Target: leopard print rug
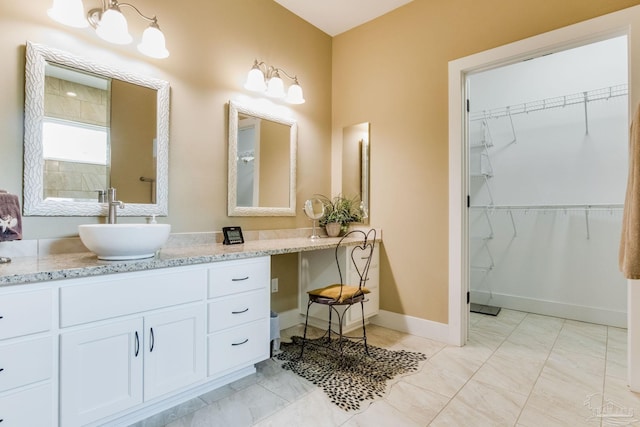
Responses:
[351,378]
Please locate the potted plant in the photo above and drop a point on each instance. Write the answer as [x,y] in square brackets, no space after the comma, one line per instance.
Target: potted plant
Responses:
[339,212]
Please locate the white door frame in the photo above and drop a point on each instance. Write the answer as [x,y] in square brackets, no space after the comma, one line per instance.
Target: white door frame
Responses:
[593,30]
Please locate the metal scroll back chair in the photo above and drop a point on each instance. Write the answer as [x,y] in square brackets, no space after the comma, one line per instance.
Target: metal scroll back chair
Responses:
[345,295]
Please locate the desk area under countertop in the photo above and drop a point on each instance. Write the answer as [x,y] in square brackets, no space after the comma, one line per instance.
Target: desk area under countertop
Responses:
[32,269]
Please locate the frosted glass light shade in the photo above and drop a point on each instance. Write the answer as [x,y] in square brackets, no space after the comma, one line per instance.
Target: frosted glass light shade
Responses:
[255,80]
[294,94]
[153,43]
[68,12]
[113,27]
[275,88]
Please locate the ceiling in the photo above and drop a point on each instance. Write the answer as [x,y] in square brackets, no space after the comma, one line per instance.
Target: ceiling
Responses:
[337,16]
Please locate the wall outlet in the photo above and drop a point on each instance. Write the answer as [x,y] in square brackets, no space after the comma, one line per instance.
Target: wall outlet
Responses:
[274,285]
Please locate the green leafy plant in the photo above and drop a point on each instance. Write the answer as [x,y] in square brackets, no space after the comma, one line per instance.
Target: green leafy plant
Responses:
[340,209]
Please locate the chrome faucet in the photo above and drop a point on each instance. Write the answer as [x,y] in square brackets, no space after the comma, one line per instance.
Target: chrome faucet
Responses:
[113,204]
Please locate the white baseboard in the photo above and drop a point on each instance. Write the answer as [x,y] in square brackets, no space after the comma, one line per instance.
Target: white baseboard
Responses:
[387,319]
[552,308]
[413,325]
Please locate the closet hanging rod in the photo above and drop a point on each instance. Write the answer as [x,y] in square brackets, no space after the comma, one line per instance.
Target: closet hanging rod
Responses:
[548,103]
[550,207]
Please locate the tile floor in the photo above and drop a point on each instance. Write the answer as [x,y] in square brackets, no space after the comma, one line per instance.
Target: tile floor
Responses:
[518,369]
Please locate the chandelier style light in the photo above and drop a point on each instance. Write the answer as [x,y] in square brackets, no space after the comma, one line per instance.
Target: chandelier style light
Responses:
[110,24]
[266,79]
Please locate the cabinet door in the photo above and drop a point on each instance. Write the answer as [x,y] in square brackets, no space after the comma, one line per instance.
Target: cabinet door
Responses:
[100,371]
[174,350]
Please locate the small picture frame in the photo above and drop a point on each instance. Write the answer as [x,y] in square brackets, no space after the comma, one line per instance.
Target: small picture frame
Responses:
[232,236]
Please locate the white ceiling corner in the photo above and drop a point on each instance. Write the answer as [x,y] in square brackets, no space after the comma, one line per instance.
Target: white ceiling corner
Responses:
[337,16]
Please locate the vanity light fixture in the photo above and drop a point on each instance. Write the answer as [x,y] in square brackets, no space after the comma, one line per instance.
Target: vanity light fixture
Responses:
[267,80]
[110,24]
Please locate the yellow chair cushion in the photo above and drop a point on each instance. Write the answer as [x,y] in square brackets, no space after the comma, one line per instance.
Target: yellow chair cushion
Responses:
[333,292]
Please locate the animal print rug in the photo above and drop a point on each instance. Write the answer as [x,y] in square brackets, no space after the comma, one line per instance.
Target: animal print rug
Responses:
[352,378]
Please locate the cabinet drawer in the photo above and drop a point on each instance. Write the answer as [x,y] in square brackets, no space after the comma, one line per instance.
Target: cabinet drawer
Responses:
[135,293]
[360,262]
[28,408]
[25,363]
[238,347]
[233,277]
[25,313]
[238,309]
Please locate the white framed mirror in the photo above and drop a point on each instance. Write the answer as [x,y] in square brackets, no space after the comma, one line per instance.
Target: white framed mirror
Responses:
[262,162]
[122,142]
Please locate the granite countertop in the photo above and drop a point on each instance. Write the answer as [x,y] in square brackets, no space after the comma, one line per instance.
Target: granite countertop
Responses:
[27,269]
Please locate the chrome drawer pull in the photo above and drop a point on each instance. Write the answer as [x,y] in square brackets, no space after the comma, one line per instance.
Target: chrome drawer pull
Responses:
[1,369]
[240,343]
[240,280]
[240,312]
[153,341]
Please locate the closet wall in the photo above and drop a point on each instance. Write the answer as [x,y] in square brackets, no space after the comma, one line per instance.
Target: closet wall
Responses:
[547,180]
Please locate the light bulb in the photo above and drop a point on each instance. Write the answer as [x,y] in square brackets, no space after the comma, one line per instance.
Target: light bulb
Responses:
[255,80]
[153,42]
[294,94]
[68,12]
[113,27]
[275,87]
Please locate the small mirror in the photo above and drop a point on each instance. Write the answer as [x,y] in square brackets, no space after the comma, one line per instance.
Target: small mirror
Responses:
[355,164]
[89,127]
[262,163]
[314,209]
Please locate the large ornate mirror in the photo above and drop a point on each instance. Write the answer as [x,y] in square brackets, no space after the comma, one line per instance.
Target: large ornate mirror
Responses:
[262,163]
[355,164]
[89,127]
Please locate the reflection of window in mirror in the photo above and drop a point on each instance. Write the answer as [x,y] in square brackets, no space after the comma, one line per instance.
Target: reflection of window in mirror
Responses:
[75,134]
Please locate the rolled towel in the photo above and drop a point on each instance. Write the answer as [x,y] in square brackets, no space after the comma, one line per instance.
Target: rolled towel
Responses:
[10,218]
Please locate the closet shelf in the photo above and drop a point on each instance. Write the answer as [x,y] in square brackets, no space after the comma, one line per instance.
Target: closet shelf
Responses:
[585,208]
[550,207]
[557,102]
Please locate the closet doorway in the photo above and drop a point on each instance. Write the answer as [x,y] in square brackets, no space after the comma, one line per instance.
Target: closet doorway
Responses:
[547,142]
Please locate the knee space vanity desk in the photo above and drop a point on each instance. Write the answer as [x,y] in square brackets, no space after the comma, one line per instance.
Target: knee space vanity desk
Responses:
[89,342]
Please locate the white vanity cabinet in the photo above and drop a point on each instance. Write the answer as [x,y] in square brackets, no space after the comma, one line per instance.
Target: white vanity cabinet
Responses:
[238,309]
[318,269]
[128,340]
[26,358]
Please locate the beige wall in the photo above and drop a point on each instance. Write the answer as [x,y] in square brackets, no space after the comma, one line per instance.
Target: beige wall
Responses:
[392,72]
[213,45]
[133,131]
[274,158]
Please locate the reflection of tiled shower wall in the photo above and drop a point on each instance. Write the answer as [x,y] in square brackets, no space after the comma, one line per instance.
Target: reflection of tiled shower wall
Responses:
[73,180]
[90,105]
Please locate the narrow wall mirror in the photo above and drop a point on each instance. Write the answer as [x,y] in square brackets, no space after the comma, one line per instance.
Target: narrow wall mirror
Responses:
[89,127]
[262,163]
[355,164]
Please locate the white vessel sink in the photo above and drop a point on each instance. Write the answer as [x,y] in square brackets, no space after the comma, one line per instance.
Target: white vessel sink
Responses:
[124,241]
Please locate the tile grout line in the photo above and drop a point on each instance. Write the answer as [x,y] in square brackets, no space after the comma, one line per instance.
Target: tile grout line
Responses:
[541,369]
[476,371]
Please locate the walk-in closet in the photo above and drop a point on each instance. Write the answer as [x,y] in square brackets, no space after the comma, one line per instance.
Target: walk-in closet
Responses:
[547,167]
